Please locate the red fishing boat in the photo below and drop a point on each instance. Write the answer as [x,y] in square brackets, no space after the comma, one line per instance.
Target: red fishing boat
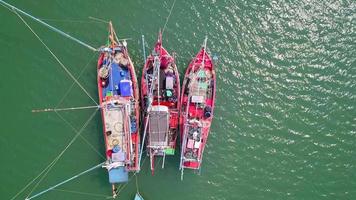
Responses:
[118,95]
[197,106]
[160,93]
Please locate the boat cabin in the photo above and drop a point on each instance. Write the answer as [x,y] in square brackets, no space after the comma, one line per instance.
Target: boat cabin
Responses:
[159,127]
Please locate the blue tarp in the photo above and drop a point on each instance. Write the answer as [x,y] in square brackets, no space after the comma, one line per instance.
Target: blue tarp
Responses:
[118,175]
[117,74]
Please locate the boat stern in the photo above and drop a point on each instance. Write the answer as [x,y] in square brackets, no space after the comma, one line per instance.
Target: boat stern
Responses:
[118,175]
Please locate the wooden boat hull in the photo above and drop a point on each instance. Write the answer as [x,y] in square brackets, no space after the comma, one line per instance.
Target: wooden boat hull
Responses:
[166,97]
[197,107]
[119,97]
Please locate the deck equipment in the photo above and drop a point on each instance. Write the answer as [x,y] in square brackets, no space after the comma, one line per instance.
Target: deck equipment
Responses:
[160,93]
[197,107]
[118,97]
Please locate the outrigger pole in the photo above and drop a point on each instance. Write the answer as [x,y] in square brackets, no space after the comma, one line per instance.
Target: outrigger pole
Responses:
[145,128]
[63,109]
[65,181]
[49,26]
[143,49]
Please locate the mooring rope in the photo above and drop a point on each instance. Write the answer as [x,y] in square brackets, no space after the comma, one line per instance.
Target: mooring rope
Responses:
[29,183]
[56,58]
[80,74]
[124,185]
[64,150]
[170,12]
[47,25]
[82,137]
[98,19]
[71,20]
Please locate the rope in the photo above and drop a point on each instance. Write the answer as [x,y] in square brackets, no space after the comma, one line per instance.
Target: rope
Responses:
[98,19]
[124,185]
[80,74]
[137,185]
[170,12]
[28,184]
[47,25]
[62,152]
[50,165]
[82,137]
[72,20]
[56,58]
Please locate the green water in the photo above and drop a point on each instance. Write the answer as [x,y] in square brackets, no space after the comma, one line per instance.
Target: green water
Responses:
[285,118]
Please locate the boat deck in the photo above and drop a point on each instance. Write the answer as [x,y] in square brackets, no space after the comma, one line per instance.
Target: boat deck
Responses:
[197,109]
[114,126]
[117,74]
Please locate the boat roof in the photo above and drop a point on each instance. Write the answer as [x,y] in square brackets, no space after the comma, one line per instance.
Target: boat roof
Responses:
[158,128]
[159,108]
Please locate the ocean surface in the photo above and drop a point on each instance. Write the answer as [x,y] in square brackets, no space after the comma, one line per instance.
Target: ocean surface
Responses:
[285,117]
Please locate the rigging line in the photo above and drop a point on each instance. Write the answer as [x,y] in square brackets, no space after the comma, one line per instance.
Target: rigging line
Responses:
[170,12]
[73,83]
[64,150]
[65,181]
[70,20]
[29,183]
[135,174]
[47,25]
[137,185]
[83,193]
[56,58]
[98,19]
[75,130]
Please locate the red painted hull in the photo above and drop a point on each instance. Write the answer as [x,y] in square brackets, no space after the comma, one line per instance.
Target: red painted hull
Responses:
[132,164]
[173,104]
[195,121]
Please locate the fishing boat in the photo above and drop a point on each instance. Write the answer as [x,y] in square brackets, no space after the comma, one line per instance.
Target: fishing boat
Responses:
[160,93]
[118,97]
[197,106]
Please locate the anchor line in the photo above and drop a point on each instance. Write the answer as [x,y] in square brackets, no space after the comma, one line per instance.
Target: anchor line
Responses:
[45,170]
[124,185]
[98,19]
[64,150]
[169,15]
[73,83]
[65,181]
[82,137]
[57,59]
[47,25]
